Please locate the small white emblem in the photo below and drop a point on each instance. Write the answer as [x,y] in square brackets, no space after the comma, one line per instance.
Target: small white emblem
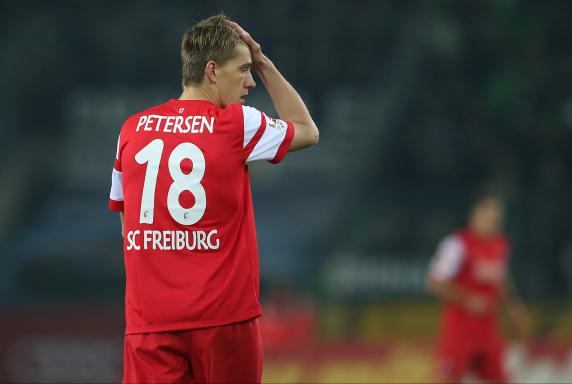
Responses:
[276,124]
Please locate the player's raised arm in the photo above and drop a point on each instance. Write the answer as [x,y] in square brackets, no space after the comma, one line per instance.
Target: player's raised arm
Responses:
[286,100]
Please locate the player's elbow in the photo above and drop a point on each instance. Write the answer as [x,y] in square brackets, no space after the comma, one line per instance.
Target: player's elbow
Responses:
[314,135]
[305,135]
[432,285]
[311,136]
[428,285]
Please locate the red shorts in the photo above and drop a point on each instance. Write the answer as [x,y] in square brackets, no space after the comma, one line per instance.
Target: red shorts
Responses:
[225,354]
[483,359]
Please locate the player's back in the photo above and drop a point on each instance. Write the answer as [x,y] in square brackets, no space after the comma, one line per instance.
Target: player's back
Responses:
[180,150]
[190,243]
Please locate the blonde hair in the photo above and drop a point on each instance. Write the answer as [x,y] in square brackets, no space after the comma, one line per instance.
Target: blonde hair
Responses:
[209,39]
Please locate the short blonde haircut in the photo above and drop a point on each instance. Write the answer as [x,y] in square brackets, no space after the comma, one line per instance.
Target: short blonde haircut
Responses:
[209,39]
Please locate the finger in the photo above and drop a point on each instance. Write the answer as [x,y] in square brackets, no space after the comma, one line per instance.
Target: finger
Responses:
[238,29]
[242,33]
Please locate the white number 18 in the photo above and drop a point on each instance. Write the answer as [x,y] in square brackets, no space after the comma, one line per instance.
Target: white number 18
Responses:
[151,154]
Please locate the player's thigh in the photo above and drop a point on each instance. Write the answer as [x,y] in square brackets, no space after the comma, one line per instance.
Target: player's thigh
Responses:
[491,367]
[155,358]
[227,354]
[453,361]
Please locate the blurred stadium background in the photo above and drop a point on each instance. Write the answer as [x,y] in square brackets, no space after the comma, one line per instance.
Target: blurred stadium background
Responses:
[419,103]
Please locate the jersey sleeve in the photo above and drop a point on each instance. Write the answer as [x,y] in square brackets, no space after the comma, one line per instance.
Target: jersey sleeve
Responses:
[448,259]
[265,138]
[116,194]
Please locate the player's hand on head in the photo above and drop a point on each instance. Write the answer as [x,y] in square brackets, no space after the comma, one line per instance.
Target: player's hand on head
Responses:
[258,57]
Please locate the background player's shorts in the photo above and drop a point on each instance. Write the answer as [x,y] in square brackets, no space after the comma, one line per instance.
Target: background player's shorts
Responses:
[484,360]
[225,354]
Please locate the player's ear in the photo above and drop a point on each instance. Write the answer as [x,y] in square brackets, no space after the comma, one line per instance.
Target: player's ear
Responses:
[210,71]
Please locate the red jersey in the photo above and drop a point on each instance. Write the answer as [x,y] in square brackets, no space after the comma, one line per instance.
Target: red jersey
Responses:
[476,265]
[181,178]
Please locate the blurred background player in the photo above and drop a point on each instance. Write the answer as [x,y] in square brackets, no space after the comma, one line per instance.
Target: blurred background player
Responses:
[181,179]
[469,273]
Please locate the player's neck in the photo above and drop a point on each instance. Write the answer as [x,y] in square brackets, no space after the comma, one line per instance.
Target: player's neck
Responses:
[481,233]
[199,93]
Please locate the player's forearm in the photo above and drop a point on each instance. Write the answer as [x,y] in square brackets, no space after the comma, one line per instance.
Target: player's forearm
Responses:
[287,101]
[512,301]
[448,292]
[516,308]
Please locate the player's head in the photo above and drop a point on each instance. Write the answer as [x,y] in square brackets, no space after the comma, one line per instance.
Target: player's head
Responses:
[487,213]
[215,58]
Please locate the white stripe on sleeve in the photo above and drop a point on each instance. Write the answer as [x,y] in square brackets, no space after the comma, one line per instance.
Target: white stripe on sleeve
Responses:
[448,259]
[117,152]
[252,120]
[116,193]
[270,141]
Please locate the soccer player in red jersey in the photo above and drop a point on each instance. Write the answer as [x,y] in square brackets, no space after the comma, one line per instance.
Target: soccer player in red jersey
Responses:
[181,184]
[469,272]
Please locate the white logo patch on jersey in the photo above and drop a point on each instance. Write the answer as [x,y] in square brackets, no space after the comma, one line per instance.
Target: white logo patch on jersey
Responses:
[276,124]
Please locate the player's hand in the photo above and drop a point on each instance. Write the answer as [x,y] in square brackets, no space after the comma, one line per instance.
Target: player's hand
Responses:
[476,304]
[521,319]
[258,58]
